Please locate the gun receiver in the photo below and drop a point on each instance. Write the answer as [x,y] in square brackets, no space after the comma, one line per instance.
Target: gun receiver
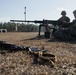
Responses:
[41,22]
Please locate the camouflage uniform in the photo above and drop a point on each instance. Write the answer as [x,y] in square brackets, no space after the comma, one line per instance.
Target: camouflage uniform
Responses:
[66,33]
[63,19]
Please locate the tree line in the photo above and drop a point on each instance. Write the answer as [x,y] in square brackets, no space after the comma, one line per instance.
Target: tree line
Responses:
[11,27]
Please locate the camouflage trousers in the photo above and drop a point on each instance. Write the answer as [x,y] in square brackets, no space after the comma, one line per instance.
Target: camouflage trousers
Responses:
[66,33]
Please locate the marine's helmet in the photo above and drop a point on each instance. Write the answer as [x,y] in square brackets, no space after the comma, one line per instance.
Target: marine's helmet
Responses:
[74,12]
[63,13]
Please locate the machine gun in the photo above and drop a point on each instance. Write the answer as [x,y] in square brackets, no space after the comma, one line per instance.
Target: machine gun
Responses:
[42,23]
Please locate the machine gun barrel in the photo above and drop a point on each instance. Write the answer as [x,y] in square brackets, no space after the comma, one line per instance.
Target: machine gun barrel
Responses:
[54,22]
[27,21]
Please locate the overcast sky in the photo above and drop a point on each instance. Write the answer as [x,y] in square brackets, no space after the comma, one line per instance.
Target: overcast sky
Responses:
[35,9]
